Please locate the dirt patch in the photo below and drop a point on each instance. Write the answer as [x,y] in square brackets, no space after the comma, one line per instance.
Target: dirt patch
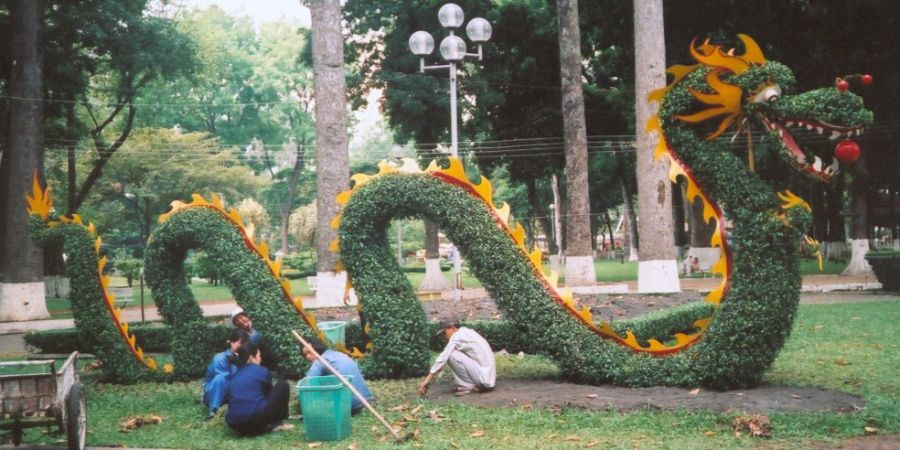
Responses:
[554,395]
[878,442]
[476,305]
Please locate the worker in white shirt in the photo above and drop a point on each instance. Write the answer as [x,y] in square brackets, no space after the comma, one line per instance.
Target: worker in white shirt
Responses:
[470,358]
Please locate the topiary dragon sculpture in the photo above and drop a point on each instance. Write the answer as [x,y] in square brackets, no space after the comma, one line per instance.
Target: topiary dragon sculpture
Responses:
[726,342]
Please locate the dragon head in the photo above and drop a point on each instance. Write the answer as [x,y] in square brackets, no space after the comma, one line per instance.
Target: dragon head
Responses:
[725,91]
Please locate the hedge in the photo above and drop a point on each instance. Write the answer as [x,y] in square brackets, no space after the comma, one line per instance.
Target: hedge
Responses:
[886,265]
[501,334]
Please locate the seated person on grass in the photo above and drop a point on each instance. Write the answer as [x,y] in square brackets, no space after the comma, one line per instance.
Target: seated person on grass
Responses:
[242,321]
[219,372]
[470,357]
[255,406]
[345,365]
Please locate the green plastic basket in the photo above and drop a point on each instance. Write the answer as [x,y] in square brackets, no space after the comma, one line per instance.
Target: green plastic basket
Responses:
[334,331]
[325,404]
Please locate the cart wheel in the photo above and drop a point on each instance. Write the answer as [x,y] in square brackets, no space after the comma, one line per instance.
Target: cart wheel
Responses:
[76,417]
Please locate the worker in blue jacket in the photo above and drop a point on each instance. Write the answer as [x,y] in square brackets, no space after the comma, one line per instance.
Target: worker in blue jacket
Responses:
[255,405]
[345,365]
[219,372]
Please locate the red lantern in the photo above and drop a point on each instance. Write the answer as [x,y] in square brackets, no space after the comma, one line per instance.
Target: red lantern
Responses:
[847,151]
[843,85]
[866,79]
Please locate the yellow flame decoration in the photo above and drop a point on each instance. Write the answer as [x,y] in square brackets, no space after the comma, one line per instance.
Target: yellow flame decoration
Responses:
[261,249]
[455,172]
[39,202]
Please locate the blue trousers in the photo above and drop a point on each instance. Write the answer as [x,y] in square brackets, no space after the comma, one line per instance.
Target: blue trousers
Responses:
[214,393]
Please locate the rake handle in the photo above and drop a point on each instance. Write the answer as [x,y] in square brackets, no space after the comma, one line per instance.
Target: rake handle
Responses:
[346,383]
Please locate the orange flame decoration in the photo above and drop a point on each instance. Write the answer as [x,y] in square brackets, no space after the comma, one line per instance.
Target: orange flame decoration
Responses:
[455,174]
[725,99]
[40,204]
[261,249]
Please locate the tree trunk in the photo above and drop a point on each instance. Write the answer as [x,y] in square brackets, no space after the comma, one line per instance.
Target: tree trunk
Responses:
[22,294]
[288,205]
[434,279]
[579,251]
[630,229]
[859,228]
[657,268]
[835,236]
[332,158]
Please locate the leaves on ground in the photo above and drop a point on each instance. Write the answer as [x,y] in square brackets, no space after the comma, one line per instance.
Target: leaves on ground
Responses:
[758,425]
[135,422]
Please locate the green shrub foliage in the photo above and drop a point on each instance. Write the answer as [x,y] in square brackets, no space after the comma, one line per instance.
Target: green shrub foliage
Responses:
[242,270]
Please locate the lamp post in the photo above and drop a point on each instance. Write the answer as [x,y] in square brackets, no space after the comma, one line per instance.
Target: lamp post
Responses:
[453,50]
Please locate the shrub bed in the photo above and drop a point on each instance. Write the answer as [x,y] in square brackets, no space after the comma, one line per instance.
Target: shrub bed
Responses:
[886,265]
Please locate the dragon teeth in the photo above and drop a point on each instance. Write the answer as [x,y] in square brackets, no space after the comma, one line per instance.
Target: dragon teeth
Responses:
[819,130]
[809,126]
[789,123]
[835,135]
[817,164]
[834,167]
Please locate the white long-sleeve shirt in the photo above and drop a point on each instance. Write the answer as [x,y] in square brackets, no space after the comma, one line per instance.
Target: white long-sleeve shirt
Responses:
[474,346]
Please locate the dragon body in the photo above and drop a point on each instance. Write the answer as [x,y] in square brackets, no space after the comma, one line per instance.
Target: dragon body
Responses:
[726,342]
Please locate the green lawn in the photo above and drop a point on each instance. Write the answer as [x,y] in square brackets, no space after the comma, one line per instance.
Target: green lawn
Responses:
[847,347]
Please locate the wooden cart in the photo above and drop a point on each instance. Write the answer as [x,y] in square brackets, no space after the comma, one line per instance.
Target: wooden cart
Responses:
[52,398]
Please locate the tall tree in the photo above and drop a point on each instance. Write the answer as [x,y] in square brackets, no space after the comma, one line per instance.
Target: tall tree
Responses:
[332,157]
[21,260]
[579,251]
[657,267]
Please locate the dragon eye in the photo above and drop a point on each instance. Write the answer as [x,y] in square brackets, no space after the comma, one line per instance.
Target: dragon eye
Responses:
[768,95]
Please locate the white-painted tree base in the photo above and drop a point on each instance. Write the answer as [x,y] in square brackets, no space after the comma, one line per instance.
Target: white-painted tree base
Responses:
[555,263]
[22,301]
[580,271]
[658,276]
[858,264]
[330,290]
[434,279]
[633,254]
[56,286]
[706,256]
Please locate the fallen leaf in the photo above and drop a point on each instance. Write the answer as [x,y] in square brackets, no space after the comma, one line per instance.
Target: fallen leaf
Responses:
[454,444]
[400,407]
[552,435]
[694,392]
[591,396]
[374,428]
[795,396]
[841,362]
[133,423]
[416,410]
[476,434]
[435,416]
[409,418]
[871,430]
[353,446]
[818,327]
[314,445]
[709,433]
[572,438]
[591,443]
[527,406]
[758,425]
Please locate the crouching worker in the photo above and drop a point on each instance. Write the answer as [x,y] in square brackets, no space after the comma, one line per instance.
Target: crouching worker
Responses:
[255,406]
[470,358]
[219,372]
[345,365]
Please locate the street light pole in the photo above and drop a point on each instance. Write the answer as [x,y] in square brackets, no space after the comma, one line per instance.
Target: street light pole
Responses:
[453,50]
